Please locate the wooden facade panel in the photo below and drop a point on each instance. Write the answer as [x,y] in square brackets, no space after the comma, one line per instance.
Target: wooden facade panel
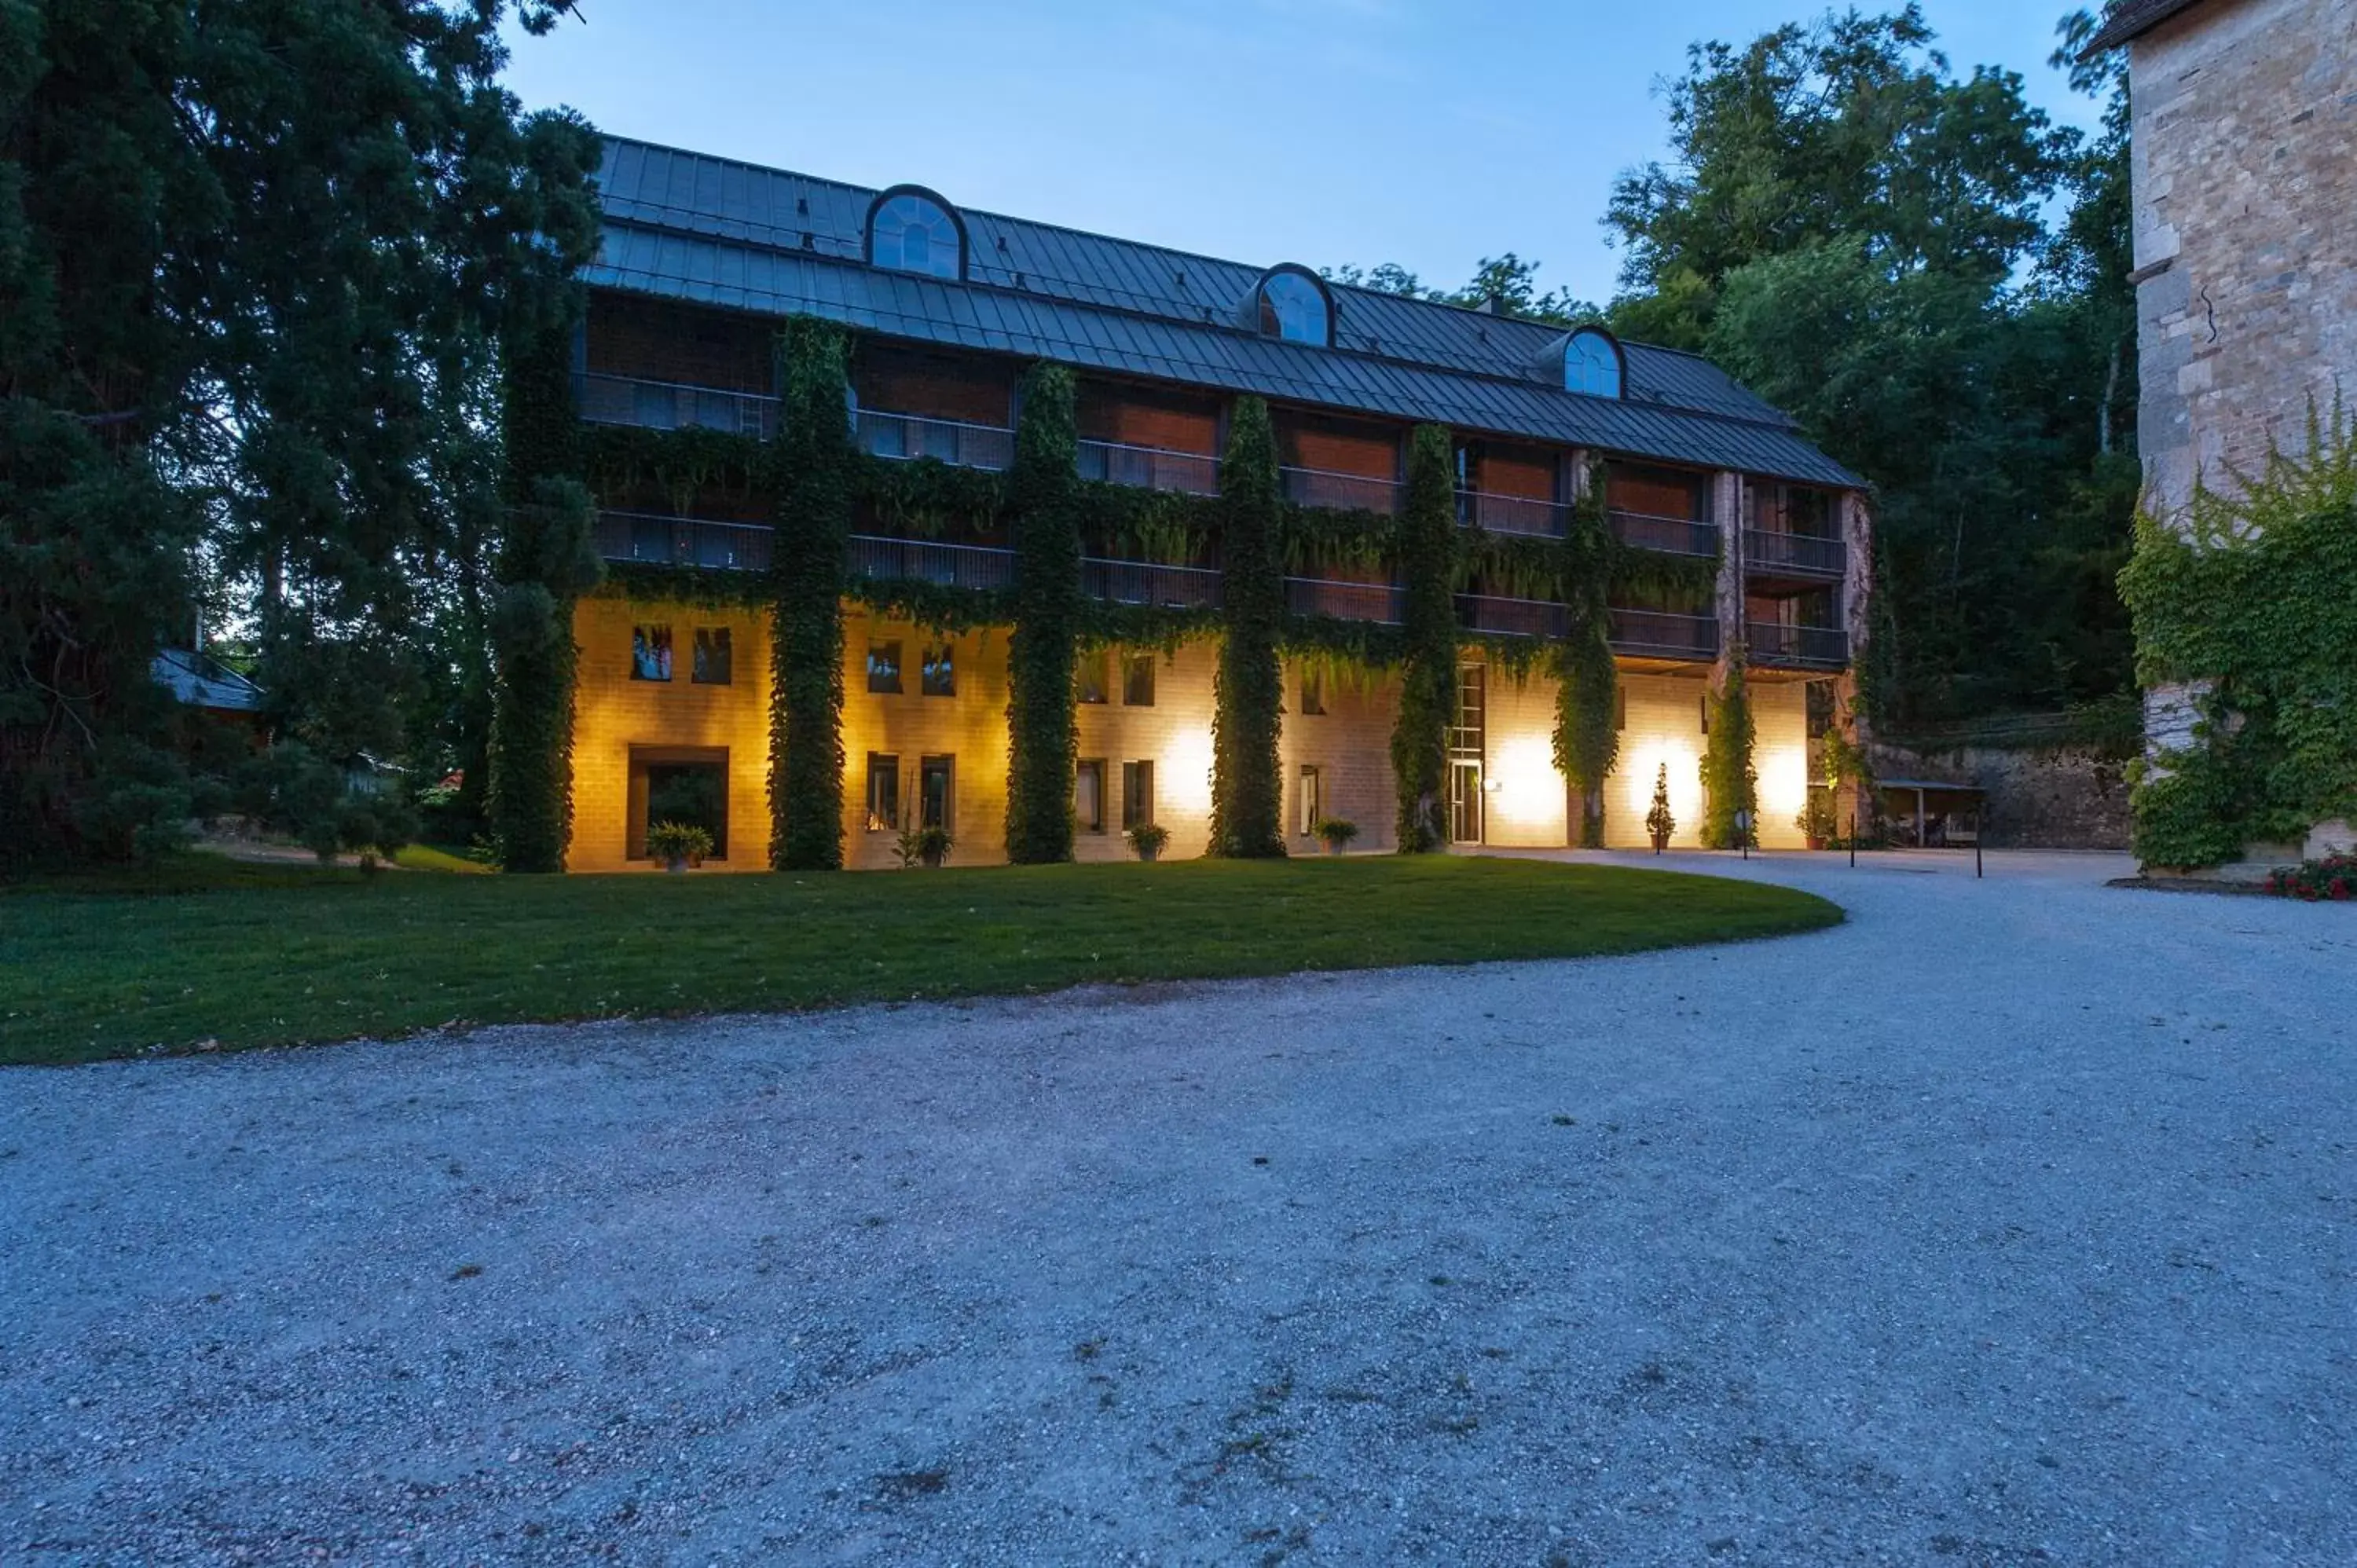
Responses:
[1527,471]
[658,342]
[1338,445]
[1658,492]
[935,386]
[1140,416]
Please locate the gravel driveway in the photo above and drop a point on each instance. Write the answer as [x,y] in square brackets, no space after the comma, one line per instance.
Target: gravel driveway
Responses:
[2015,1221]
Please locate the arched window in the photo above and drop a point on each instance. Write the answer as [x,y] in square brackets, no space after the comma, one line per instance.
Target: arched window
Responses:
[1592,363]
[1292,304]
[913,231]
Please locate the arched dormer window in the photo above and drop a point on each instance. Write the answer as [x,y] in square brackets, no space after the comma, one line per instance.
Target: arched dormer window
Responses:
[1592,363]
[911,229]
[1291,302]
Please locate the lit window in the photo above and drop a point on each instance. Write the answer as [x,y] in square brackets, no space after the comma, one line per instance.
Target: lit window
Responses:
[1138,681]
[1313,801]
[883,791]
[883,667]
[933,790]
[911,232]
[1088,678]
[1293,306]
[1088,797]
[716,656]
[940,677]
[650,653]
[1592,363]
[1136,794]
[1313,692]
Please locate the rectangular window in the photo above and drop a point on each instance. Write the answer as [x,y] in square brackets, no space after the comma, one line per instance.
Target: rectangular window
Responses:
[1088,797]
[940,677]
[1136,794]
[716,656]
[1819,697]
[1313,692]
[934,786]
[1313,801]
[1138,681]
[883,792]
[650,653]
[883,667]
[1088,678]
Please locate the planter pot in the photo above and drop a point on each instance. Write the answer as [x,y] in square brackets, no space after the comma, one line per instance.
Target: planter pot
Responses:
[1333,847]
[676,864]
[1661,843]
[932,859]
[1816,843]
[1149,852]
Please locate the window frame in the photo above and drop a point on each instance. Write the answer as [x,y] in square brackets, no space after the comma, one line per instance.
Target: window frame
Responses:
[886,820]
[939,204]
[937,673]
[1312,787]
[724,640]
[1591,333]
[1263,309]
[898,687]
[1131,668]
[1137,793]
[1088,766]
[662,657]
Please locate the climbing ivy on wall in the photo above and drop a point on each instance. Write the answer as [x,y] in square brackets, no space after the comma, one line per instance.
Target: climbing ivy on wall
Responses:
[1426,551]
[547,559]
[1588,696]
[1730,779]
[1043,742]
[2250,600]
[1247,799]
[810,479]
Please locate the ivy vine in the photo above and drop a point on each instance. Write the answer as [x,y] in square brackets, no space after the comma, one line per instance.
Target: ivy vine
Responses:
[1427,553]
[1247,798]
[1588,691]
[1043,741]
[810,479]
[1730,776]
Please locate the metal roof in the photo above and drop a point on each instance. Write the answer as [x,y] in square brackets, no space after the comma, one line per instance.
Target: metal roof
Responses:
[200,680]
[693,226]
[2128,20]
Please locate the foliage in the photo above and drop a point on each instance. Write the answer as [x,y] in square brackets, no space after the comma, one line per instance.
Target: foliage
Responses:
[1170,527]
[925,497]
[681,466]
[1313,541]
[1147,839]
[1587,740]
[2334,877]
[811,485]
[1659,822]
[678,841]
[1427,551]
[1730,777]
[927,846]
[262,955]
[1336,832]
[1247,798]
[1505,285]
[2250,601]
[1818,821]
[1043,739]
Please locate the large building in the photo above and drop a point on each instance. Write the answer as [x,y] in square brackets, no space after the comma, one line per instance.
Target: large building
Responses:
[704,258]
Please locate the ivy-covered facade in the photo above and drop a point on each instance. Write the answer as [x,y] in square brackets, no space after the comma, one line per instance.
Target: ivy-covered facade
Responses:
[923,525]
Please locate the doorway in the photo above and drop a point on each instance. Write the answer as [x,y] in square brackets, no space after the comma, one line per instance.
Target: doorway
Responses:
[678,784]
[1464,801]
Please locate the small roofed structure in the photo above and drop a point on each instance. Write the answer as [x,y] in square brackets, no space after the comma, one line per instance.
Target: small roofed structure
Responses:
[1932,813]
[199,681]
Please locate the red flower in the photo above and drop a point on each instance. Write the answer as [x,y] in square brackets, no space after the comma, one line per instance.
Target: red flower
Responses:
[2339,887]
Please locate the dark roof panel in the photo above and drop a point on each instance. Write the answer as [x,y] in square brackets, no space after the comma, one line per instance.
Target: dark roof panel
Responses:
[694,227]
[2128,20]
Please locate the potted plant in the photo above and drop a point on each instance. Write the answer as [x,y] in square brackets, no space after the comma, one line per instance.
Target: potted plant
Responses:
[1336,834]
[1817,821]
[1658,821]
[678,843]
[1147,839]
[923,846]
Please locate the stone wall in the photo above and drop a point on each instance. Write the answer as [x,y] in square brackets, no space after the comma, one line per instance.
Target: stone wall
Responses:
[2067,798]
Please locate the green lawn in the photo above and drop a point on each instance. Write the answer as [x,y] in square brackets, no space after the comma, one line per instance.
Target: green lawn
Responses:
[252,955]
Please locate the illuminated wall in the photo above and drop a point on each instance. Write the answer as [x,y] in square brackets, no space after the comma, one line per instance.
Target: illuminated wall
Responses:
[1664,725]
[1524,796]
[613,713]
[968,729]
[1350,746]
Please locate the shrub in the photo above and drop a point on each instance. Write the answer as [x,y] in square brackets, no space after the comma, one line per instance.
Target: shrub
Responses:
[678,841]
[2333,877]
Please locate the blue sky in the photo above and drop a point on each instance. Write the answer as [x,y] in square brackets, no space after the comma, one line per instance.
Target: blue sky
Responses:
[1426,133]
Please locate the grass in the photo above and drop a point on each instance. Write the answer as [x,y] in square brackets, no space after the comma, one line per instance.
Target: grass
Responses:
[211,953]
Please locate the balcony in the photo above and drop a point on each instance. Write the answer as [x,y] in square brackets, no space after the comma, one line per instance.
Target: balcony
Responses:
[1803,646]
[903,436]
[1793,555]
[668,405]
[1145,583]
[1149,467]
[1378,602]
[1510,617]
[683,542]
[922,561]
[1510,514]
[1348,492]
[1670,535]
[1659,634]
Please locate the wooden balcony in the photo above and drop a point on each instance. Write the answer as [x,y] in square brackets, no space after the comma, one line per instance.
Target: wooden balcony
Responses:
[668,405]
[1324,488]
[880,560]
[905,437]
[1146,583]
[1149,467]
[1769,553]
[1511,514]
[1670,535]
[1380,602]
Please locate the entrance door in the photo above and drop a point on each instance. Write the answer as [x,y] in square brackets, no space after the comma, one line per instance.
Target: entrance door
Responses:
[1464,802]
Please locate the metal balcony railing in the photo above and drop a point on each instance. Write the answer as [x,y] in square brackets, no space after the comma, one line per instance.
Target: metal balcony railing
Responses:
[1324,486]
[1660,634]
[1814,647]
[905,436]
[670,405]
[922,561]
[1810,556]
[1149,467]
[1671,535]
[1379,602]
[684,541]
[1145,583]
[1511,618]
[1510,514]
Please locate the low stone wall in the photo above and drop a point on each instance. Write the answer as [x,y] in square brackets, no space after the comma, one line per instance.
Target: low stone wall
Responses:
[2050,797]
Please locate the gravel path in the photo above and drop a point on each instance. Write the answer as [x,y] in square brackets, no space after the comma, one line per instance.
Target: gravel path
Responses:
[2015,1221]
